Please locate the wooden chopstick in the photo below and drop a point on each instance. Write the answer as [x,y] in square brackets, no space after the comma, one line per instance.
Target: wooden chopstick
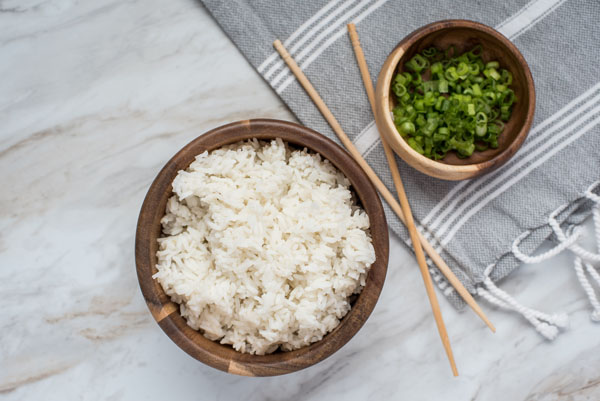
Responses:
[385,193]
[410,222]
[435,257]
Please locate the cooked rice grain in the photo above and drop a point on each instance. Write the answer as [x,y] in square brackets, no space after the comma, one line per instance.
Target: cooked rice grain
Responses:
[263,245]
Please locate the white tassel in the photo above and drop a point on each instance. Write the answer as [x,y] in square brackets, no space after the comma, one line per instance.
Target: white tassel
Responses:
[587,287]
[558,319]
[547,325]
[596,212]
[564,244]
[595,316]
[582,256]
[593,273]
[561,320]
[562,238]
[597,226]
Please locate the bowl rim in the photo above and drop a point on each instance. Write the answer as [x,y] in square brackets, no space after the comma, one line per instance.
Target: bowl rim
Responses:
[166,313]
[428,166]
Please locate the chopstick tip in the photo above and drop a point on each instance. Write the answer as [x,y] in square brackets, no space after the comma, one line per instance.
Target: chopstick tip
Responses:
[484,318]
[452,361]
[352,32]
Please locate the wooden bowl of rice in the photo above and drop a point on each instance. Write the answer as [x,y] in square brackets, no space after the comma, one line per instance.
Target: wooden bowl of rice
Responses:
[167,313]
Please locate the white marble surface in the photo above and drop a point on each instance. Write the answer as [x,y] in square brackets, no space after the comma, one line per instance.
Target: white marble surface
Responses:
[95,96]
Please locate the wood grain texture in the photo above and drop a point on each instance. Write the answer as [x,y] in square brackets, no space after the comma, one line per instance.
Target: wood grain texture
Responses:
[464,35]
[166,313]
[410,223]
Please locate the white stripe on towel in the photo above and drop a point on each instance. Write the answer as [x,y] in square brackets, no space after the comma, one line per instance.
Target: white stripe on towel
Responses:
[341,32]
[309,51]
[467,188]
[461,191]
[275,56]
[549,152]
[365,138]
[538,139]
[528,17]
[280,66]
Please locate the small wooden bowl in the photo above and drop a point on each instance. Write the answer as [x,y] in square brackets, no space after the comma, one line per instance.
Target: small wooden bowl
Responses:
[464,35]
[166,313]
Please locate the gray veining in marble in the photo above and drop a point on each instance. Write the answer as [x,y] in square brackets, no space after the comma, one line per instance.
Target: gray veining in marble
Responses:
[95,96]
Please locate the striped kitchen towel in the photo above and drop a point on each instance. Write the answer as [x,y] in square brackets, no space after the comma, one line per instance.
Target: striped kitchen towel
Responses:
[482,227]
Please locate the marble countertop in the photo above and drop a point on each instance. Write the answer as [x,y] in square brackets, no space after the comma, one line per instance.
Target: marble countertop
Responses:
[95,97]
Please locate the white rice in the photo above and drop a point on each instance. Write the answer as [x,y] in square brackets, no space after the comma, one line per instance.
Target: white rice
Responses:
[263,246]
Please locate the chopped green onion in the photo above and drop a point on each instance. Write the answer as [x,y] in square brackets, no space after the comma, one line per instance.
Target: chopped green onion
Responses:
[405,98]
[437,69]
[471,109]
[439,102]
[402,79]
[438,137]
[507,98]
[415,145]
[462,70]
[480,130]
[432,51]
[475,52]
[419,105]
[447,101]
[429,99]
[418,63]
[417,78]
[489,96]
[506,77]
[399,89]
[429,86]
[407,128]
[491,73]
[443,86]
[451,74]
[481,118]
[504,112]
[474,69]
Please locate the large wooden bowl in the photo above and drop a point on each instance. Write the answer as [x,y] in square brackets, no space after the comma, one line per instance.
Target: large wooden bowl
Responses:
[166,313]
[464,35]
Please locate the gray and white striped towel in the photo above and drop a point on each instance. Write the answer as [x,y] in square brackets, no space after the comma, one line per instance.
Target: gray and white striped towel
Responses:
[473,223]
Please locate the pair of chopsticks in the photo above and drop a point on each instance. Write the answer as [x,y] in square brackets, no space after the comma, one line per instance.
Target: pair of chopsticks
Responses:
[402,210]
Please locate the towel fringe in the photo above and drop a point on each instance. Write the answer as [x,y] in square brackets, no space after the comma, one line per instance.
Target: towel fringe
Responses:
[587,287]
[545,324]
[548,325]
